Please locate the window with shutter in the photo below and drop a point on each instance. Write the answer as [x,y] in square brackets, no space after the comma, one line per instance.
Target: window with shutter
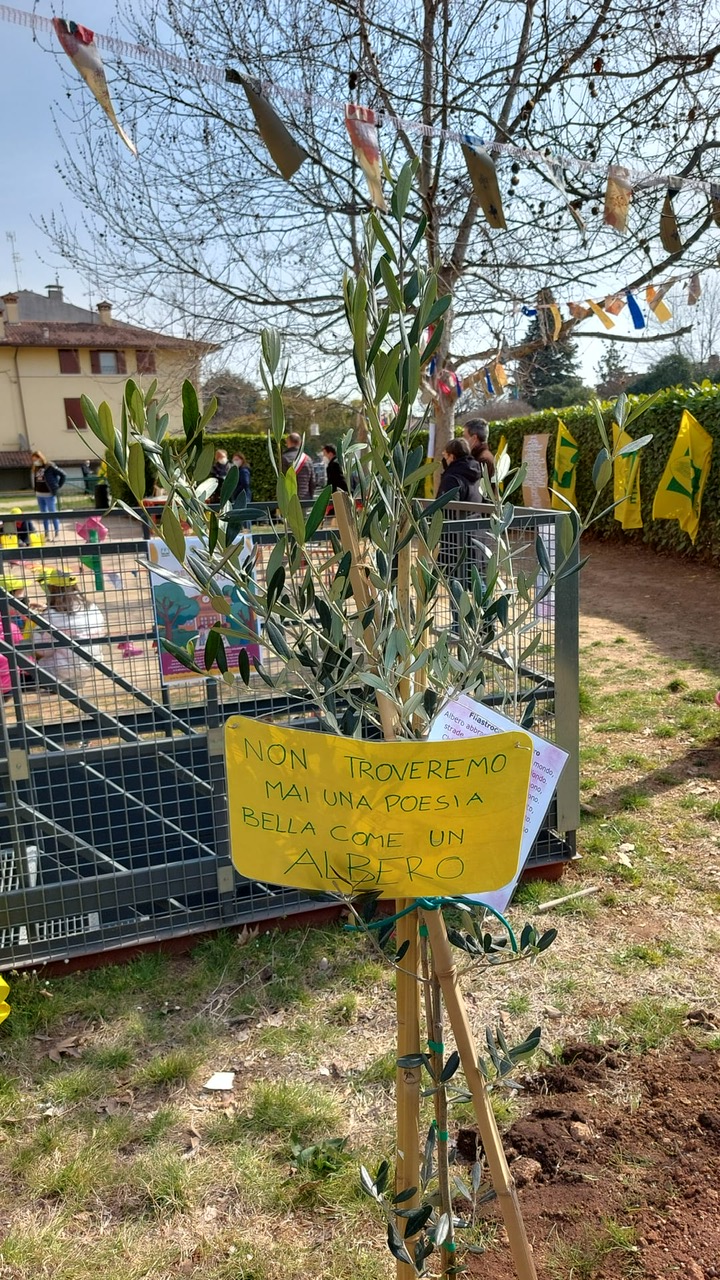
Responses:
[145,361]
[74,416]
[69,360]
[107,361]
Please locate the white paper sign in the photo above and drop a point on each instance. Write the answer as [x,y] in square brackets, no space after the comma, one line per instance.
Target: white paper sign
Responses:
[467,718]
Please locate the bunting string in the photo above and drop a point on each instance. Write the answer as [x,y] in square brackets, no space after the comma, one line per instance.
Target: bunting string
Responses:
[161,58]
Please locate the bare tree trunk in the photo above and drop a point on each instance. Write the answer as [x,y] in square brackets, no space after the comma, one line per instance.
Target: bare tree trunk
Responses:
[444,405]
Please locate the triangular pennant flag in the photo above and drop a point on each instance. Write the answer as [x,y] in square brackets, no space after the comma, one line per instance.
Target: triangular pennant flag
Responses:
[4,1006]
[614,304]
[287,154]
[483,177]
[618,195]
[564,474]
[715,201]
[499,375]
[626,482]
[557,177]
[679,493]
[694,293]
[557,320]
[669,230]
[638,318]
[79,45]
[577,311]
[361,124]
[489,383]
[657,306]
[598,311]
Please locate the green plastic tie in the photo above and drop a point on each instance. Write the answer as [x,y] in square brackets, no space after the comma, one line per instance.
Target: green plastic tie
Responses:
[443,1135]
[423,931]
[435,904]
[436,1046]
[450,1245]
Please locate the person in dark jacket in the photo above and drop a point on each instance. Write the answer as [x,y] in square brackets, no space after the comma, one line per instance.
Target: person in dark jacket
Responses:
[461,472]
[294,456]
[48,480]
[476,435]
[243,483]
[333,470]
[220,468]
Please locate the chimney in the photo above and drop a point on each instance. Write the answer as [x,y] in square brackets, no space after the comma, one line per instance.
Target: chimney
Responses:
[12,315]
[105,309]
[55,292]
[2,327]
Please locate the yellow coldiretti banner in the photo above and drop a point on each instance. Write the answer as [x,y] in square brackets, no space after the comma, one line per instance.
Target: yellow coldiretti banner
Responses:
[679,493]
[406,819]
[565,468]
[4,993]
[626,483]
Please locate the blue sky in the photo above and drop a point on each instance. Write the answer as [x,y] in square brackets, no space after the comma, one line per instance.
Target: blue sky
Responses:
[32,81]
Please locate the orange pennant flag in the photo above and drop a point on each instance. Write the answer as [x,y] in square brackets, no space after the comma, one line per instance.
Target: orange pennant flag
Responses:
[657,306]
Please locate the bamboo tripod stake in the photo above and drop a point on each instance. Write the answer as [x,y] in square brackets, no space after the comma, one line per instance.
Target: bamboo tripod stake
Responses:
[407,988]
[502,1179]
[408,975]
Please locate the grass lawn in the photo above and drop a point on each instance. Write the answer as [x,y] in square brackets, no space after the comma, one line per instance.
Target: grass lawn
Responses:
[116,1162]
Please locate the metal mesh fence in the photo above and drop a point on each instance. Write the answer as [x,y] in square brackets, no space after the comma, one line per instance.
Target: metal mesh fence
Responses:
[113,806]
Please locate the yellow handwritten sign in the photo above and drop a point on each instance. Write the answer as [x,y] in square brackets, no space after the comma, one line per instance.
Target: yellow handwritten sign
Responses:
[405,819]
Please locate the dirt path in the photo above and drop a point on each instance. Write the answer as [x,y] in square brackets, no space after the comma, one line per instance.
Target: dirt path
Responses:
[666,605]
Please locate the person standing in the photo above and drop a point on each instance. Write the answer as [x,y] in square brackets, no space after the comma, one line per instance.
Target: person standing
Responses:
[476,432]
[48,480]
[295,457]
[243,483]
[220,468]
[460,471]
[333,470]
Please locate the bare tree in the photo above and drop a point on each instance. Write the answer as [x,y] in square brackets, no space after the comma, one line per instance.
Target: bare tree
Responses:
[701,344]
[204,224]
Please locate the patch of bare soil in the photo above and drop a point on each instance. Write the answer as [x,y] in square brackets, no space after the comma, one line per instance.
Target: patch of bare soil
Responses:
[619,1167]
[675,603]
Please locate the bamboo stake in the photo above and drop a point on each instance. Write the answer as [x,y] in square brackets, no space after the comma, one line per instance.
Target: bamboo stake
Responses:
[364,596]
[407,991]
[502,1180]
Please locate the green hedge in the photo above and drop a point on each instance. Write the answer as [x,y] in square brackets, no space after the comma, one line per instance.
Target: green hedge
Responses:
[662,421]
[254,449]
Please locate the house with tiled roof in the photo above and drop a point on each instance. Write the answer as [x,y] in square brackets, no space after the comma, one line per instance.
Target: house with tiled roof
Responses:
[52,352]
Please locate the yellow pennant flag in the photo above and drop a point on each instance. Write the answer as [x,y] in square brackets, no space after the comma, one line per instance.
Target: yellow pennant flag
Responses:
[679,494]
[565,468]
[655,301]
[602,317]
[626,483]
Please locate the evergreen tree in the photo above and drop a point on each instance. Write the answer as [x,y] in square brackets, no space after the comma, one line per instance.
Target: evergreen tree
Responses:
[672,371]
[612,373]
[548,377]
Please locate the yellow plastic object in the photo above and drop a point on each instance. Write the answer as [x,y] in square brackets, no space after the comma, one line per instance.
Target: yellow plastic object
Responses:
[4,1006]
[405,819]
[8,540]
[56,578]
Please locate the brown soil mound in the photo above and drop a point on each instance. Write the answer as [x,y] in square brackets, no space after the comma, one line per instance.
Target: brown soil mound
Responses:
[628,1167]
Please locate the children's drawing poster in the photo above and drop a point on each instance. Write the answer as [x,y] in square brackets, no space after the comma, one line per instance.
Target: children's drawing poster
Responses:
[183,612]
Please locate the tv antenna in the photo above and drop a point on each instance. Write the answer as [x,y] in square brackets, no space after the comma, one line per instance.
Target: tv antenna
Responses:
[15,256]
